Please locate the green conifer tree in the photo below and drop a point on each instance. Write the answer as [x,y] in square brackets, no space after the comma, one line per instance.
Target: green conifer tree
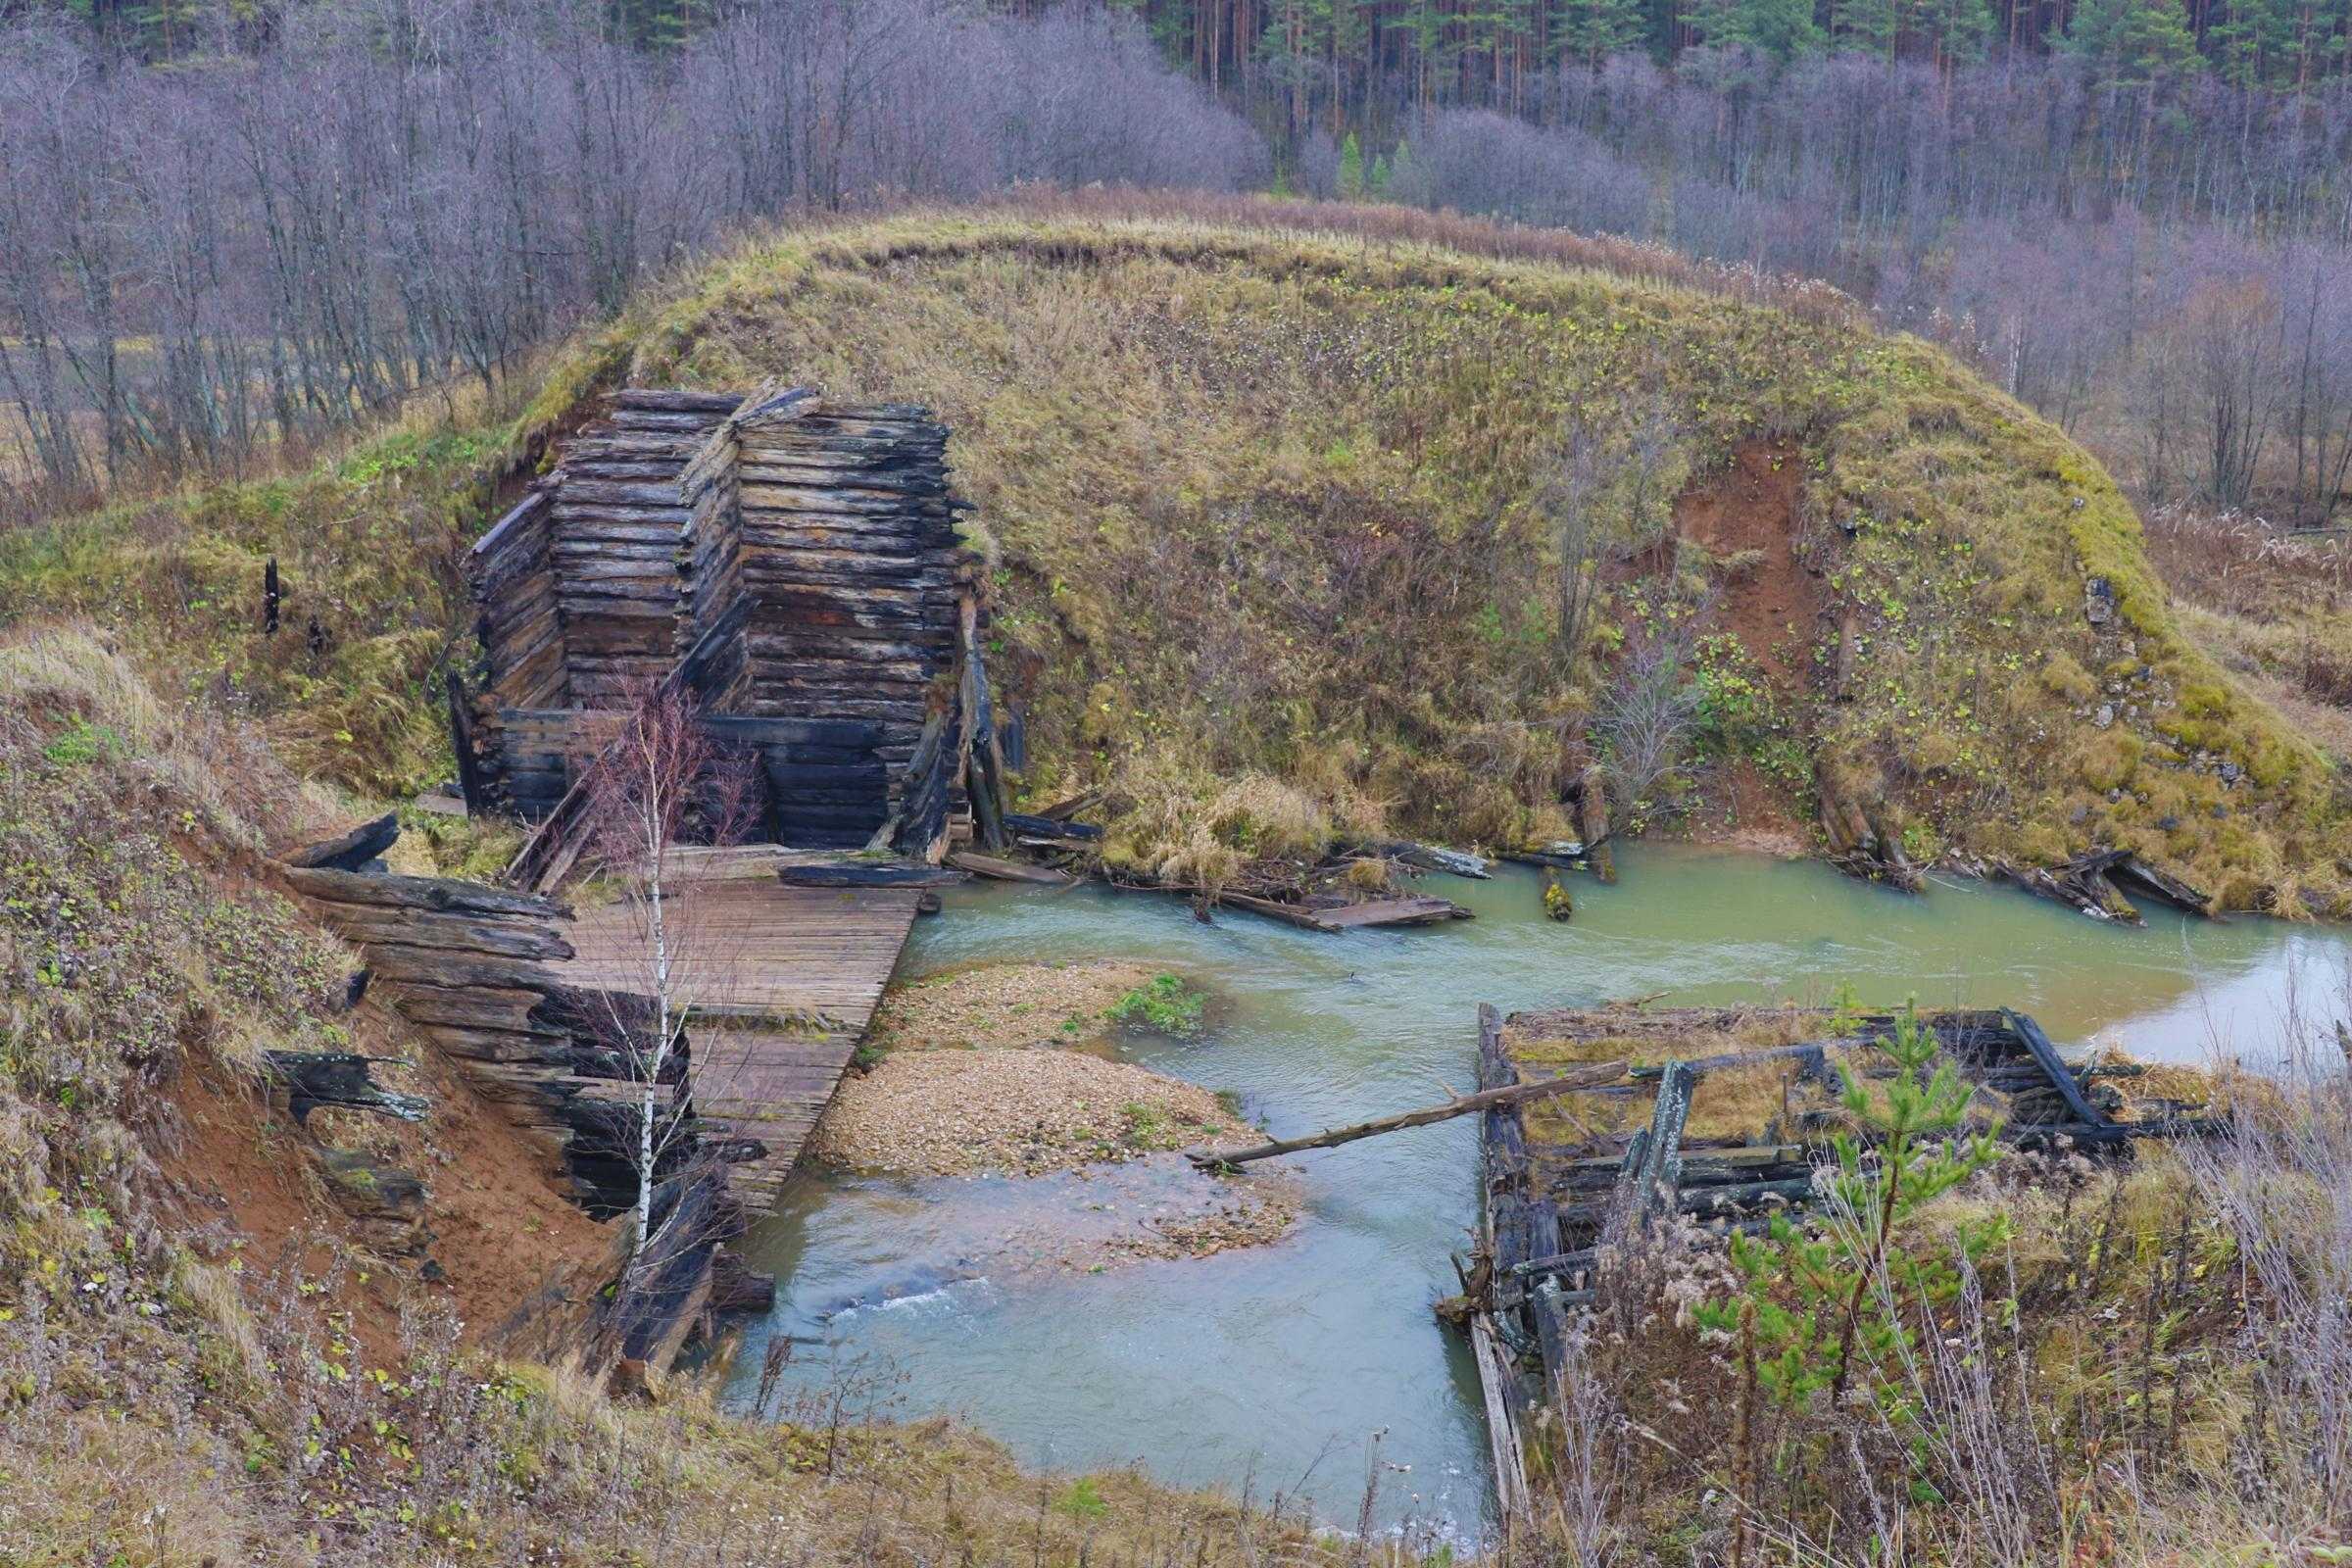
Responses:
[1351,168]
[2131,43]
[1590,30]
[1781,28]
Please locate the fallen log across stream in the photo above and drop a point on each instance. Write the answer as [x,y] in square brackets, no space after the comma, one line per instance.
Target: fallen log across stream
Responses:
[1594,1076]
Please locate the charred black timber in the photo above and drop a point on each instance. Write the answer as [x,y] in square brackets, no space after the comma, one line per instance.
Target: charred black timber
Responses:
[338,1080]
[2045,1055]
[1048,827]
[878,875]
[350,851]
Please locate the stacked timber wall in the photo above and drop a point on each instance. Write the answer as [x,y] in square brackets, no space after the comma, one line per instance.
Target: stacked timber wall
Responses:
[487,976]
[793,564]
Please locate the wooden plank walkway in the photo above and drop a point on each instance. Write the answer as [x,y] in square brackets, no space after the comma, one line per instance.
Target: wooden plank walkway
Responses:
[781,984]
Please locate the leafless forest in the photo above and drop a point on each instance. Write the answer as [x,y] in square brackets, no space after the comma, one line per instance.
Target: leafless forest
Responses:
[221,228]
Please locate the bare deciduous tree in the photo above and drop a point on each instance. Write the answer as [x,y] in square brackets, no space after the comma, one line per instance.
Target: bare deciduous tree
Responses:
[1650,714]
[1571,501]
[655,781]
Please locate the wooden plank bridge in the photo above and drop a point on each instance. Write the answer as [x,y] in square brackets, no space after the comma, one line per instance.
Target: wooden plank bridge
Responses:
[780,982]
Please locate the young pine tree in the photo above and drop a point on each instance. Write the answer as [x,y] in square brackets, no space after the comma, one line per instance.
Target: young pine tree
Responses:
[1819,1306]
[1351,168]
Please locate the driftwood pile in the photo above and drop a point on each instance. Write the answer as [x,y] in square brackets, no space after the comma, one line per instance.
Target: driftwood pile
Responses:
[2101,883]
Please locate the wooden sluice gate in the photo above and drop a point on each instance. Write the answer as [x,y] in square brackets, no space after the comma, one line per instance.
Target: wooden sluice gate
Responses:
[1712,1118]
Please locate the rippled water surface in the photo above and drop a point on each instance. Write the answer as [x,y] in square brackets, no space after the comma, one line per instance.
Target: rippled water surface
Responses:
[1274,1367]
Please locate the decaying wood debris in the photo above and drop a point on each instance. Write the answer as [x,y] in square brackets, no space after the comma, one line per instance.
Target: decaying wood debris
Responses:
[1725,1117]
[2100,884]
[490,978]
[792,563]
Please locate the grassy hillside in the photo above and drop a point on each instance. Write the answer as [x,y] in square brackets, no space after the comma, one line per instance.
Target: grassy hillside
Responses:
[1272,519]
[1272,504]
[220,1341]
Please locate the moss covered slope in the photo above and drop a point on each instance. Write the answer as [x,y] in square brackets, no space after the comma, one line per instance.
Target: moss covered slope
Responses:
[1262,501]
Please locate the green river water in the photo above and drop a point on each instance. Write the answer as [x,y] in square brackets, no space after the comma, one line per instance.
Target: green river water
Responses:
[1276,1367]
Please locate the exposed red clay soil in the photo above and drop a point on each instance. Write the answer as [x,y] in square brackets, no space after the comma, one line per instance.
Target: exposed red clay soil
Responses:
[1754,506]
[492,1220]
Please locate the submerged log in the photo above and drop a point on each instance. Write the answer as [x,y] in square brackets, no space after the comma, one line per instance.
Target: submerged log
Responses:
[1427,856]
[1581,1078]
[1002,871]
[1348,917]
[2088,883]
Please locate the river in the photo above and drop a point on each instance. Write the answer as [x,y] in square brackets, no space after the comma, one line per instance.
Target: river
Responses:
[1275,1368]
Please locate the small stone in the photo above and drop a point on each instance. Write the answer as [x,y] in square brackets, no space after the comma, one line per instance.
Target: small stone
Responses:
[2098,601]
[2104,716]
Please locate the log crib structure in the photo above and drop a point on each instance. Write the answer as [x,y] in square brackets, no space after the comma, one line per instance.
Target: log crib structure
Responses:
[792,563]
[1717,1117]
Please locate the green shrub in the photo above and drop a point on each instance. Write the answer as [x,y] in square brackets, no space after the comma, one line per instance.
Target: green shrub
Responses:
[1166,1003]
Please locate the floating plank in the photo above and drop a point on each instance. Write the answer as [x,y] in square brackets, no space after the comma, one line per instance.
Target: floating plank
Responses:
[1381,913]
[996,870]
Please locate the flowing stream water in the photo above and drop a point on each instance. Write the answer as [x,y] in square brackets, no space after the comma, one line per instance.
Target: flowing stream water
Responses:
[1275,1367]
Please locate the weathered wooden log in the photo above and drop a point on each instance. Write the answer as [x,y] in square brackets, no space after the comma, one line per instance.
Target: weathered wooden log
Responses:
[439,894]
[1812,1054]
[1427,856]
[461,742]
[340,1081]
[1049,827]
[996,870]
[468,936]
[1514,1094]
[2045,1056]
[856,873]
[350,851]
[1591,798]
[1744,1195]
